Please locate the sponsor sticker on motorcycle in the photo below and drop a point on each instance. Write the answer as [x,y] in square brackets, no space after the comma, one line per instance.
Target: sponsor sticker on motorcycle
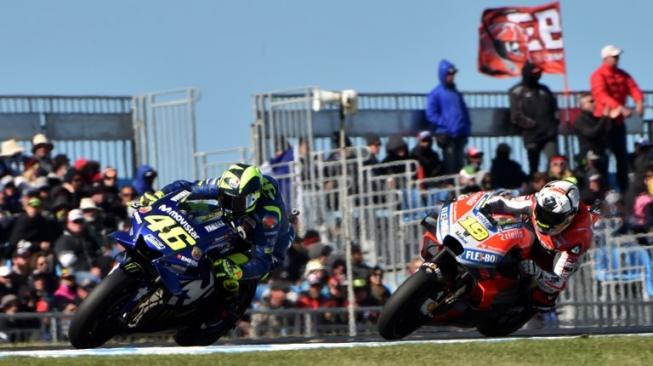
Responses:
[189,261]
[213,226]
[180,196]
[152,240]
[474,228]
[511,235]
[479,256]
[269,221]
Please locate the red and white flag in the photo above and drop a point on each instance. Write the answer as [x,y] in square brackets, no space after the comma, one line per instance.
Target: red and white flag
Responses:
[508,37]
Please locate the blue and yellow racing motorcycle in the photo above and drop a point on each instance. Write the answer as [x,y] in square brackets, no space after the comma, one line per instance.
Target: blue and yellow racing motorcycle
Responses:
[163,280]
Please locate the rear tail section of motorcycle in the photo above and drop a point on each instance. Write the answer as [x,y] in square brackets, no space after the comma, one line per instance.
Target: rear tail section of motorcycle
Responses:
[429,292]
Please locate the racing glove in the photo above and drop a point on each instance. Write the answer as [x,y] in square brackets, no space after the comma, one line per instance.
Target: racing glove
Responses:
[228,273]
[148,199]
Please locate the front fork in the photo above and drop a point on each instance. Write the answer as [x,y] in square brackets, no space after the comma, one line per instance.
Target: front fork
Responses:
[456,281]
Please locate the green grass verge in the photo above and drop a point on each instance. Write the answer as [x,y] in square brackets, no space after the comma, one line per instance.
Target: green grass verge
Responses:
[580,351]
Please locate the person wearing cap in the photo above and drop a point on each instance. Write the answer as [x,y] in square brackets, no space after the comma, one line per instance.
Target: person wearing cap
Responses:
[593,192]
[429,160]
[396,150]
[505,172]
[11,157]
[106,196]
[593,131]
[448,116]
[591,167]
[32,226]
[373,143]
[93,218]
[41,149]
[611,86]
[360,269]
[76,248]
[534,110]
[559,170]
[471,175]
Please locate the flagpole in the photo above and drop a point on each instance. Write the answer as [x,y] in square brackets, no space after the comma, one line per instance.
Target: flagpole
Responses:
[566,95]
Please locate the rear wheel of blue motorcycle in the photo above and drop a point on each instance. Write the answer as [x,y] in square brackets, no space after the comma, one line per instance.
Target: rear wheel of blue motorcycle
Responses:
[402,314]
[94,322]
[194,335]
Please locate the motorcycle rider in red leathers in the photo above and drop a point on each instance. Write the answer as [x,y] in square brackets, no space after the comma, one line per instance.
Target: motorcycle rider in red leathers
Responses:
[563,232]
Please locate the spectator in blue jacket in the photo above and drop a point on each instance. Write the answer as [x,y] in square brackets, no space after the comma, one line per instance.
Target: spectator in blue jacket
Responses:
[447,112]
[144,179]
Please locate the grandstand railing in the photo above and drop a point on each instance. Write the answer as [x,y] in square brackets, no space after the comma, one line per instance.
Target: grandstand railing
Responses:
[287,117]
[118,131]
[94,127]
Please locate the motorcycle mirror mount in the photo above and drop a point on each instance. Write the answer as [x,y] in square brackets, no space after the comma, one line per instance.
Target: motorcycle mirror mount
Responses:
[430,222]
[452,244]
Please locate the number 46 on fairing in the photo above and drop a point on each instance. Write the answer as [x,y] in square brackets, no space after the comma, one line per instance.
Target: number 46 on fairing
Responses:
[169,231]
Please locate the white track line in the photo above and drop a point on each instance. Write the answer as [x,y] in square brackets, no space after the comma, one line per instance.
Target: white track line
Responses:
[144,351]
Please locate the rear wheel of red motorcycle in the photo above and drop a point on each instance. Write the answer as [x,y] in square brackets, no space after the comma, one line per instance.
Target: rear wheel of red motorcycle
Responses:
[505,324]
[402,314]
[94,322]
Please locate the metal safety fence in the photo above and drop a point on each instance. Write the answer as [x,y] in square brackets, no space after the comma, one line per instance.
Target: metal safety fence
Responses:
[165,132]
[258,323]
[91,127]
[118,131]
[288,117]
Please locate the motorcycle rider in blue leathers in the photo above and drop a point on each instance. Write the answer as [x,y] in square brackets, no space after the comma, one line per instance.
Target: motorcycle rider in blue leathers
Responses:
[252,203]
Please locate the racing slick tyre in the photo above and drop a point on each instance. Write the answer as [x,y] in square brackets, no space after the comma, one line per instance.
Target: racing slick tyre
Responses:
[402,314]
[94,323]
[505,324]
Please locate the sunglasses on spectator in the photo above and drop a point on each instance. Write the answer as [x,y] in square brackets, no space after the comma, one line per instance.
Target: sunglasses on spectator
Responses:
[109,178]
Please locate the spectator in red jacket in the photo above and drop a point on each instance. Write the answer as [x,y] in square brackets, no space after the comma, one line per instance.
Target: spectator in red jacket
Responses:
[610,88]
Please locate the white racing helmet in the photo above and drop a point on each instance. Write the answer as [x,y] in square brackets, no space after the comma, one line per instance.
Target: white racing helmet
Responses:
[556,206]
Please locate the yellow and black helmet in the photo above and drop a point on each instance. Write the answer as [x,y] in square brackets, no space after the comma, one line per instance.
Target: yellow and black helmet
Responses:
[240,188]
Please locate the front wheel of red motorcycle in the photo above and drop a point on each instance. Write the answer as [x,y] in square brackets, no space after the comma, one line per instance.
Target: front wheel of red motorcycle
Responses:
[402,314]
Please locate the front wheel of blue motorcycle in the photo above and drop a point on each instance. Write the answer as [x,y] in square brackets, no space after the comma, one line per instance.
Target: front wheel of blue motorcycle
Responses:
[94,323]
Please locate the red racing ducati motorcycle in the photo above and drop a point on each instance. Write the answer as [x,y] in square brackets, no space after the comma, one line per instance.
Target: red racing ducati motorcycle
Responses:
[471,275]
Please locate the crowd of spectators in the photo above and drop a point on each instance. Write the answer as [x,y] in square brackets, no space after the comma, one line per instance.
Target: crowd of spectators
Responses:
[54,219]
[314,277]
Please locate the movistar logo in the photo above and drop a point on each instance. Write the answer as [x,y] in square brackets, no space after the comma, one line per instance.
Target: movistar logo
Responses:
[180,219]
